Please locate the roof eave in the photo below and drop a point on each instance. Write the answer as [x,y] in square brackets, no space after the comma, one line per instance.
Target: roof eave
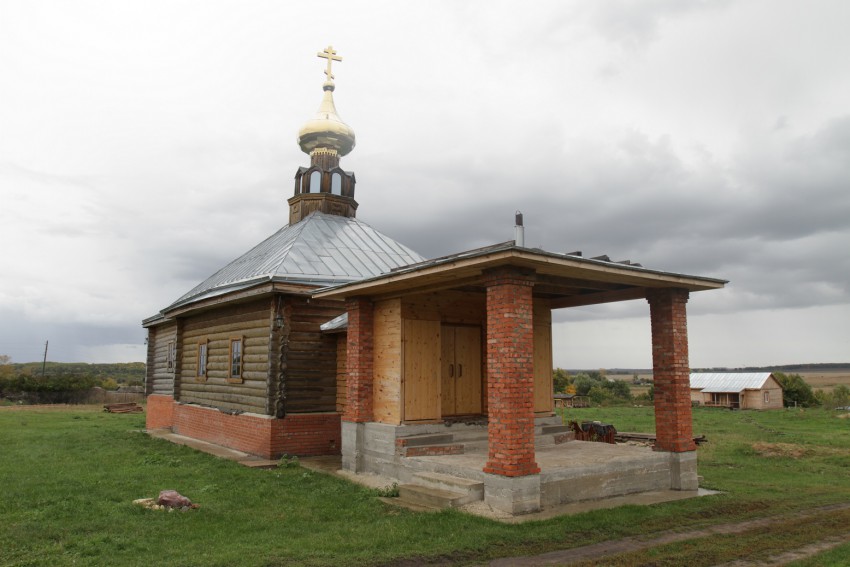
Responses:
[474,262]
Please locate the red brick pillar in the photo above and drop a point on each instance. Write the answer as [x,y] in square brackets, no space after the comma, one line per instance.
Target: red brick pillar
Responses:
[510,373]
[670,370]
[359,359]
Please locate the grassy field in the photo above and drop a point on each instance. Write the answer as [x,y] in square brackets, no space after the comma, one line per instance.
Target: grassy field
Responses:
[826,381]
[69,479]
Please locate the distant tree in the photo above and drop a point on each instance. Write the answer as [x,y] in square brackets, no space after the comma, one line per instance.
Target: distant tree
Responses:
[618,389]
[795,390]
[583,383]
[598,395]
[841,396]
[838,398]
[6,368]
[561,380]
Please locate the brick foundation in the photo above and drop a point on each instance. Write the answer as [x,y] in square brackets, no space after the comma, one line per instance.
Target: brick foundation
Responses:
[305,434]
[670,369]
[510,373]
[159,412]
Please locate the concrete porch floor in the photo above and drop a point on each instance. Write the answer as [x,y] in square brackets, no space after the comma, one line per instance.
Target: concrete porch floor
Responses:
[575,476]
[578,457]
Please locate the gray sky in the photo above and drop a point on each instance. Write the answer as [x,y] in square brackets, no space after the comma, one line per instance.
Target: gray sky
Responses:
[143,145]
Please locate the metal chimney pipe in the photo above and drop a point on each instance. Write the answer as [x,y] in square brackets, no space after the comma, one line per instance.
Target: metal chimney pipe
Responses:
[519,231]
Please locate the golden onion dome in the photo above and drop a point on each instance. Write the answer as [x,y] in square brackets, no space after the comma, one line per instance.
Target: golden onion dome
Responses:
[326,129]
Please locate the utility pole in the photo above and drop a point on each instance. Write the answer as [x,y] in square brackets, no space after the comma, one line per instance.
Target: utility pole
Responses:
[44,362]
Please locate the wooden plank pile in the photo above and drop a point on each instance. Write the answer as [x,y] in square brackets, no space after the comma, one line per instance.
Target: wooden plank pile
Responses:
[127,407]
[649,438]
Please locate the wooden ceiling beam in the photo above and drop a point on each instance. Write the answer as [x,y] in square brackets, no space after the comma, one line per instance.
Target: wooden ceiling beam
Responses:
[575,283]
[600,297]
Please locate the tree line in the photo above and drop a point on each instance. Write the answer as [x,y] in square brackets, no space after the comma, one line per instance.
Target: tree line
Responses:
[601,390]
[594,384]
[63,382]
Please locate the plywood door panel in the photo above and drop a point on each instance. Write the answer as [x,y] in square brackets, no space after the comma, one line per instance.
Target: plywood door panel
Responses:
[422,342]
[461,370]
[467,370]
[542,358]
[447,370]
[387,362]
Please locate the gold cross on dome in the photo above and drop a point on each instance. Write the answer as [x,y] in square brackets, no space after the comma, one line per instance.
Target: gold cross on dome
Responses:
[330,54]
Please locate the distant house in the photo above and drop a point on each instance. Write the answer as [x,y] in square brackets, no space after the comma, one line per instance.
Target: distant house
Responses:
[571,401]
[751,390]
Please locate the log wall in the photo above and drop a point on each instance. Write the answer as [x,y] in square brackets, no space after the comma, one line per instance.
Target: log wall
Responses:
[251,322]
[341,373]
[159,379]
[309,367]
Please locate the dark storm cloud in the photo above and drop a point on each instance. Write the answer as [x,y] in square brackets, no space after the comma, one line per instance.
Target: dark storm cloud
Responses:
[776,223]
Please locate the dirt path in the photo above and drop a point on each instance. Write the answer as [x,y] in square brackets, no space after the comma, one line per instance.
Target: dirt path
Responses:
[794,554]
[611,548]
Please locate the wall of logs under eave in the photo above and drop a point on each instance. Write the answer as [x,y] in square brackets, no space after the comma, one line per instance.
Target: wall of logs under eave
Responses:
[308,367]
[159,378]
[252,323]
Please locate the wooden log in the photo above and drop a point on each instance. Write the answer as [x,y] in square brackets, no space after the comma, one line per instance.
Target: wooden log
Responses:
[233,401]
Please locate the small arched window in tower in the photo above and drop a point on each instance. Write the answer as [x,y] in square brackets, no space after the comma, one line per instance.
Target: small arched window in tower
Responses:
[336,184]
[315,182]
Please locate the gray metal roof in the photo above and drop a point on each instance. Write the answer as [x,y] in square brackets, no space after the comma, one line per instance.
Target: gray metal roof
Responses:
[719,382]
[320,250]
[337,324]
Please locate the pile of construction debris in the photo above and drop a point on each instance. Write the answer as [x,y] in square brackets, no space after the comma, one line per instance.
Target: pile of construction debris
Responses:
[127,407]
[168,500]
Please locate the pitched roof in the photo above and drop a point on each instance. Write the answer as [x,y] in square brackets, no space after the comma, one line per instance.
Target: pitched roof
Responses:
[320,250]
[720,382]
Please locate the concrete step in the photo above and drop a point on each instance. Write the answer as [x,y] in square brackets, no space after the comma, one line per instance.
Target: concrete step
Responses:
[427,439]
[472,490]
[428,497]
[432,450]
[551,429]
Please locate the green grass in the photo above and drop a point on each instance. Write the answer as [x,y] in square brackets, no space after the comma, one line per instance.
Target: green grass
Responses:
[69,479]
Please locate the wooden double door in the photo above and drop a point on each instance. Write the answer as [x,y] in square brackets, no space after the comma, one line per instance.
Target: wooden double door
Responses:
[460,352]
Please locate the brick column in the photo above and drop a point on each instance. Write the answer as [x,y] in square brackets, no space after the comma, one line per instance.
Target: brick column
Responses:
[670,370]
[358,408]
[510,373]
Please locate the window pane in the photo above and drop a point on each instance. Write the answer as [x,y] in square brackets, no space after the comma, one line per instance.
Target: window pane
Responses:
[202,359]
[336,184]
[236,359]
[315,182]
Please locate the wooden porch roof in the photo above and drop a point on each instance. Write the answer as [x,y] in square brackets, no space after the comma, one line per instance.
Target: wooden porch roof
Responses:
[567,280]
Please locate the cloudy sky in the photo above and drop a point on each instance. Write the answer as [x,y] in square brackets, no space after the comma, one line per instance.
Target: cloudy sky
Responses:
[143,145]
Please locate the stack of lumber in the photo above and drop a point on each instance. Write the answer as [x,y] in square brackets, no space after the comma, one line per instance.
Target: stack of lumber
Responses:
[649,438]
[128,407]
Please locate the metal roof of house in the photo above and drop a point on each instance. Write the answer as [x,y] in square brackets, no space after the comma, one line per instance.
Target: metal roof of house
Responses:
[320,250]
[337,324]
[724,382]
